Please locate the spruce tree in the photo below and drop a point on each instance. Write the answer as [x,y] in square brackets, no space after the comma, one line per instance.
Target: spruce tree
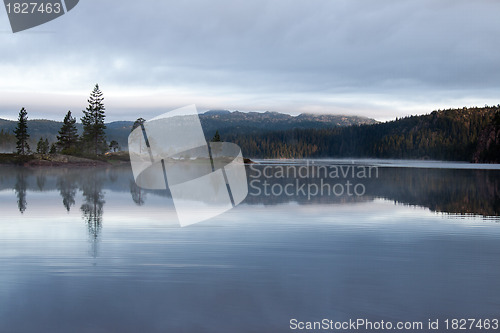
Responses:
[42,146]
[21,133]
[93,123]
[114,146]
[39,146]
[216,137]
[53,148]
[68,136]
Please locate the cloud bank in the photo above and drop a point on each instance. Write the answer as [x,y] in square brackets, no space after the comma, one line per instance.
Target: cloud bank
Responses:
[380,59]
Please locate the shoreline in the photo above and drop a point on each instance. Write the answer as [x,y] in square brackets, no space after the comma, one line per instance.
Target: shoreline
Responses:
[122,158]
[61,160]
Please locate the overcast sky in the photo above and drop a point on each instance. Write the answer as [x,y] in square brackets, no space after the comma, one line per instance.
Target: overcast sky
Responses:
[381,59]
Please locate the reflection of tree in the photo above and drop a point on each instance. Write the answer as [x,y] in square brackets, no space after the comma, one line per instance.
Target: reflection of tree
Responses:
[137,194]
[20,189]
[92,208]
[40,181]
[442,190]
[67,188]
[113,175]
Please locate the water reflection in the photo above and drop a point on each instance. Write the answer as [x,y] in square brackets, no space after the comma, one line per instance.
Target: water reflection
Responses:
[138,194]
[452,191]
[67,187]
[89,181]
[273,258]
[442,190]
[92,207]
[20,189]
[40,181]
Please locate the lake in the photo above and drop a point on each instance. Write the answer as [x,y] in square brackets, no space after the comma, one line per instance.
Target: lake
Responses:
[86,250]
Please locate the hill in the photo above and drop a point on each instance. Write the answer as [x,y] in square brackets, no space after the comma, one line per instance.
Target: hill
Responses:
[467,134]
[225,121]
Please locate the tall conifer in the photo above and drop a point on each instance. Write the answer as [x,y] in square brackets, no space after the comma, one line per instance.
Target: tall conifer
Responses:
[21,133]
[93,136]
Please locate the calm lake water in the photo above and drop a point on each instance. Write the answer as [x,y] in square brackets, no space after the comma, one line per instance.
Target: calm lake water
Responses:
[86,250]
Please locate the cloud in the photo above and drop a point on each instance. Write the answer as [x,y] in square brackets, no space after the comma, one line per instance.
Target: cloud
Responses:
[377,58]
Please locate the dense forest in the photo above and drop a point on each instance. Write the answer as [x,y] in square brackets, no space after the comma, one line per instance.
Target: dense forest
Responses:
[467,134]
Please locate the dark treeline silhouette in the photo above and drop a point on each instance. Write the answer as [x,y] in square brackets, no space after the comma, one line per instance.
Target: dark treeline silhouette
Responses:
[451,134]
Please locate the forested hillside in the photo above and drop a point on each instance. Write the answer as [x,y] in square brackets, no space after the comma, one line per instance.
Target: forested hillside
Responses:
[225,122]
[451,134]
[228,123]
[466,134]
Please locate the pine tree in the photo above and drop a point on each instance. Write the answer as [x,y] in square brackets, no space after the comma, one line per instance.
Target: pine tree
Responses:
[53,148]
[42,146]
[93,123]
[114,146]
[21,133]
[68,136]
[216,137]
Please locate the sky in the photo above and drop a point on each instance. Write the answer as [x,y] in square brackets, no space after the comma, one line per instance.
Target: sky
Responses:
[379,59]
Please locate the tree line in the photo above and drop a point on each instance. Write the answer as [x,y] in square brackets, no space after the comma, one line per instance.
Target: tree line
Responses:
[91,142]
[451,134]
[465,134]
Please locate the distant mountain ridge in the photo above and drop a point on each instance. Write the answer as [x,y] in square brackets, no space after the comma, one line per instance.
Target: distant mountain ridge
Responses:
[226,122]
